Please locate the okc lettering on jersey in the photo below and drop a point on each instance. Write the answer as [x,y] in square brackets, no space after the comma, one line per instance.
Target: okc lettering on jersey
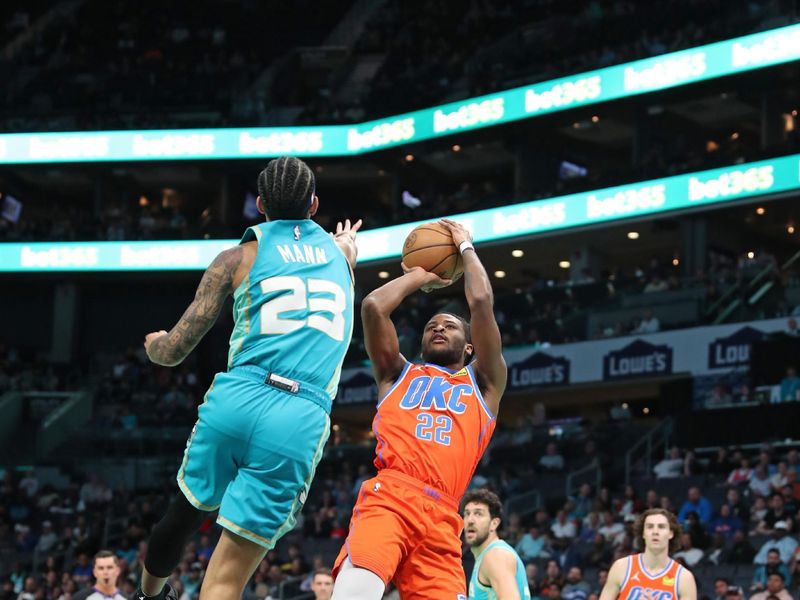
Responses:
[638,592]
[435,393]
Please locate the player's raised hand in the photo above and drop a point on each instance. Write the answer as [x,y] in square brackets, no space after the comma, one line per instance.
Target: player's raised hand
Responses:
[345,238]
[428,281]
[347,230]
[457,230]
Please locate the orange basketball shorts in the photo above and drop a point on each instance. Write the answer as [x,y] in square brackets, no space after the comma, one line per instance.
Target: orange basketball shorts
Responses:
[409,533]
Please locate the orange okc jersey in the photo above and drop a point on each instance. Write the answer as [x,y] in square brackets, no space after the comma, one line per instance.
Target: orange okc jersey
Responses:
[640,584]
[433,425]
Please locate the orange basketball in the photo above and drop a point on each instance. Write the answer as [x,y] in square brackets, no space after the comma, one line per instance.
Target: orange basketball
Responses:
[431,247]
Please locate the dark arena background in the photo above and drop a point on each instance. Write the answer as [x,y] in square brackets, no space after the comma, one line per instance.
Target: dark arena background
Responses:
[630,172]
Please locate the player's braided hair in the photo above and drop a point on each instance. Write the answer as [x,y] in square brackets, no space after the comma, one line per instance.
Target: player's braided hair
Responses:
[286,188]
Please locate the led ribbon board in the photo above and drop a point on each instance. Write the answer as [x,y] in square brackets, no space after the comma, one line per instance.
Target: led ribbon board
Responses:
[649,75]
[646,198]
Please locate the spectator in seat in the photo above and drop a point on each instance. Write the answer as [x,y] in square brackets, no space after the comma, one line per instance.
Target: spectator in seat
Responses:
[531,546]
[776,512]
[576,588]
[778,480]
[790,385]
[611,531]
[648,324]
[776,588]
[721,586]
[689,555]
[696,531]
[552,460]
[762,572]
[552,577]
[780,541]
[742,475]
[759,482]
[697,503]
[670,467]
[738,507]
[741,551]
[726,524]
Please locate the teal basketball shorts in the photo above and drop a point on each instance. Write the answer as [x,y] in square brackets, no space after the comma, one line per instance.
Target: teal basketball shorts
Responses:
[253,452]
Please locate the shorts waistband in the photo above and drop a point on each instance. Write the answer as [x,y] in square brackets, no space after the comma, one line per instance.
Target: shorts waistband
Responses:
[414,483]
[290,386]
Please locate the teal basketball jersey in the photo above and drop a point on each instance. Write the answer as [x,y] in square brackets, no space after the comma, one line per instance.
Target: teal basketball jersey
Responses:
[478,591]
[293,314]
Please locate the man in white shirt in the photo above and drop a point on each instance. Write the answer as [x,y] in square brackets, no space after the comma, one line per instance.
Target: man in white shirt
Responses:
[781,541]
[649,323]
[689,553]
[611,531]
[671,466]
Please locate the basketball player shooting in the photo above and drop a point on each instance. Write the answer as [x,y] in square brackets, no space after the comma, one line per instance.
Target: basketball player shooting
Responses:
[433,422]
[651,575]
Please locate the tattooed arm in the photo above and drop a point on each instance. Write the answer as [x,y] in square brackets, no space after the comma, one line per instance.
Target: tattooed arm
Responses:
[170,349]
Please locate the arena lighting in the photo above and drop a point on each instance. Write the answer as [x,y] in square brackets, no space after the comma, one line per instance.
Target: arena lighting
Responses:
[646,410]
[751,255]
[662,72]
[790,229]
[646,198]
[633,235]
[564,264]
[456,148]
[517,253]
[383,274]
[675,262]
[409,157]
[499,274]
[760,210]
[595,119]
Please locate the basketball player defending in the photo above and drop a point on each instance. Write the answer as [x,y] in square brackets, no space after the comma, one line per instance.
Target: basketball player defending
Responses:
[499,573]
[264,422]
[651,575]
[433,422]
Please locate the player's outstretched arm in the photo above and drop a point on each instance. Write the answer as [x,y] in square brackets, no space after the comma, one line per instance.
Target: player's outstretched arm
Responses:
[170,349]
[616,575]
[499,568]
[687,587]
[345,238]
[490,366]
[380,336]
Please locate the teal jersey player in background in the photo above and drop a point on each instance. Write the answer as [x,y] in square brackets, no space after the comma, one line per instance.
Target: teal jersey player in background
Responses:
[263,424]
[499,573]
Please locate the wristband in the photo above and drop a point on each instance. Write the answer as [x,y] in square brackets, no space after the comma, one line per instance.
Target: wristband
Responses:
[465,245]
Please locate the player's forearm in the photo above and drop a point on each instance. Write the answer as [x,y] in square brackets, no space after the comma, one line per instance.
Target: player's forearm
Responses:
[477,287]
[171,349]
[389,296]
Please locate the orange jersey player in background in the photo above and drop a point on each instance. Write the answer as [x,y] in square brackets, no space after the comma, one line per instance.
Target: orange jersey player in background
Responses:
[651,575]
[433,422]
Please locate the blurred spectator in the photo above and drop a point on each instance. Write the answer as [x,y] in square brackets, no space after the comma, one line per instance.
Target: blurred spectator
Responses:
[697,503]
[669,467]
[726,524]
[649,323]
[552,460]
[531,546]
[576,588]
[742,474]
[688,554]
[322,584]
[773,565]
[781,541]
[775,588]
[759,483]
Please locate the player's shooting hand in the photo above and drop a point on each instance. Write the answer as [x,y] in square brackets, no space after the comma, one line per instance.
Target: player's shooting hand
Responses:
[150,338]
[457,230]
[427,281]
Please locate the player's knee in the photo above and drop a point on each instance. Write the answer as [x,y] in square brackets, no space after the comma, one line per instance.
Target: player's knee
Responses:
[354,583]
[169,536]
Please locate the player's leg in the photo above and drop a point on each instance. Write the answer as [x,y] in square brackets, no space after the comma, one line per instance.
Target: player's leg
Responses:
[209,464]
[382,532]
[262,502]
[166,543]
[232,564]
[355,583]
[433,568]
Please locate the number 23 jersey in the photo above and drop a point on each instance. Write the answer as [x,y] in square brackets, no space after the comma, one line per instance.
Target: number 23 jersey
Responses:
[434,426]
[293,313]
